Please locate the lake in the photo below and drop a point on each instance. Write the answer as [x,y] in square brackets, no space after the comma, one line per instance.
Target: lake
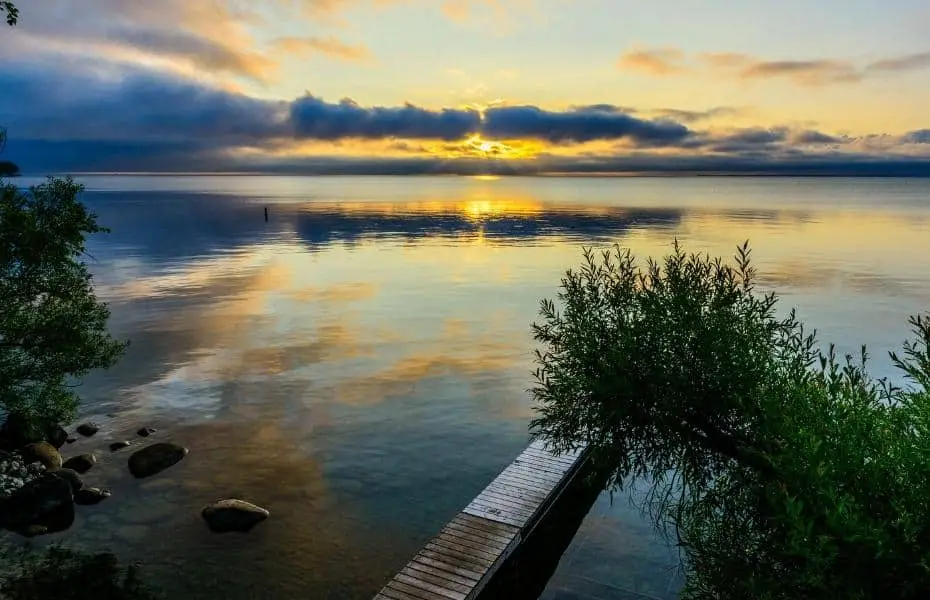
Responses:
[358,364]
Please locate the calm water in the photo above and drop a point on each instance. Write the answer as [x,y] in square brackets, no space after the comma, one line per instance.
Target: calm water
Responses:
[358,364]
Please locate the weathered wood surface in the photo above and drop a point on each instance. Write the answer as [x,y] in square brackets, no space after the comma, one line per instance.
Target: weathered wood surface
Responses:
[459,562]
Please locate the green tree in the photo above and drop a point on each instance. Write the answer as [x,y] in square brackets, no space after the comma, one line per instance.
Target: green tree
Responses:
[780,471]
[52,327]
[12,13]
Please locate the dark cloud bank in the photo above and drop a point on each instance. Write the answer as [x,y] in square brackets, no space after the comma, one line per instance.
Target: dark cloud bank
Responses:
[92,119]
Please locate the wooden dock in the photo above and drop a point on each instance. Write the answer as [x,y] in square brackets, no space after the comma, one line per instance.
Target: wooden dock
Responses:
[459,562]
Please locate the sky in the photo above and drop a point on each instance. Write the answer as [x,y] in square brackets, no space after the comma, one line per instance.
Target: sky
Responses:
[468,86]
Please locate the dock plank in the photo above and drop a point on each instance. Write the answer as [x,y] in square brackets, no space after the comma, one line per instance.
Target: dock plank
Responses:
[462,575]
[435,581]
[462,583]
[459,562]
[457,557]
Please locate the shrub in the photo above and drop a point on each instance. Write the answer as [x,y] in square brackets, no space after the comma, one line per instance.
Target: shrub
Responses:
[52,327]
[780,471]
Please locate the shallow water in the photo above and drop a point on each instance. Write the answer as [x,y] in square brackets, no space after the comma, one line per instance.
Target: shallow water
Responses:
[358,364]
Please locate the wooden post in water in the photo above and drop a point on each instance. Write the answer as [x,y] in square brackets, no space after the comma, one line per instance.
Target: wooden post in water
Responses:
[266,214]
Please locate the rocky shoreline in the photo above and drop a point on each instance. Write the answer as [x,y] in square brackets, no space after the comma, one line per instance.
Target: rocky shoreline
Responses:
[39,490]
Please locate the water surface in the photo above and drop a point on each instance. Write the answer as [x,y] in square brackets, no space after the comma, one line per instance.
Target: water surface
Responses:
[358,364]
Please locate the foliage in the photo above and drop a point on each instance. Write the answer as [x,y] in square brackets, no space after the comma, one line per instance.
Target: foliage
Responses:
[8,169]
[52,327]
[12,13]
[68,575]
[781,472]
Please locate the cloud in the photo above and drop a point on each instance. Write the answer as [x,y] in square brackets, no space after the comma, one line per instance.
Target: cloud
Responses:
[920,136]
[816,137]
[200,51]
[656,61]
[809,72]
[329,46]
[817,71]
[97,116]
[209,36]
[692,116]
[132,104]
[314,118]
[908,62]
[583,124]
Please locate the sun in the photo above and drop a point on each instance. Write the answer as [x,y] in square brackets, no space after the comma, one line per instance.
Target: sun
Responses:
[475,146]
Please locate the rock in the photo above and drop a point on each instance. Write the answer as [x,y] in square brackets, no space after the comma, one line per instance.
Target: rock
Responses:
[81,464]
[45,501]
[71,440]
[42,452]
[233,515]
[146,431]
[155,458]
[57,437]
[88,496]
[119,445]
[72,477]
[33,530]
[14,474]
[88,429]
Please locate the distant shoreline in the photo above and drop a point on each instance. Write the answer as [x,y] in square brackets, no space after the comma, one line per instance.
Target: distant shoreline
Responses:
[564,175]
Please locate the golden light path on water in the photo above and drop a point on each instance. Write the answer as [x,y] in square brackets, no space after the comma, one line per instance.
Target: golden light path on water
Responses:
[333,363]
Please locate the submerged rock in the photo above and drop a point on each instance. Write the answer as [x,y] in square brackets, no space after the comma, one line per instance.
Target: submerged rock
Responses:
[42,452]
[233,515]
[47,501]
[71,440]
[119,445]
[81,463]
[155,458]
[146,431]
[71,476]
[89,496]
[88,429]
[32,531]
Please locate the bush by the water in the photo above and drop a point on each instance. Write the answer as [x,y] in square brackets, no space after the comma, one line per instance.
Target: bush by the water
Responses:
[780,471]
[52,327]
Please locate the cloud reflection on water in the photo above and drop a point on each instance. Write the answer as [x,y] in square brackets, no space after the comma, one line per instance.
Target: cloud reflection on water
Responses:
[335,361]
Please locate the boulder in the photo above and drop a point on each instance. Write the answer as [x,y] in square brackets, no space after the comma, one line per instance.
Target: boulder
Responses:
[155,458]
[71,476]
[146,431]
[56,437]
[42,452]
[81,463]
[115,446]
[88,429]
[71,440]
[233,515]
[90,495]
[47,501]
